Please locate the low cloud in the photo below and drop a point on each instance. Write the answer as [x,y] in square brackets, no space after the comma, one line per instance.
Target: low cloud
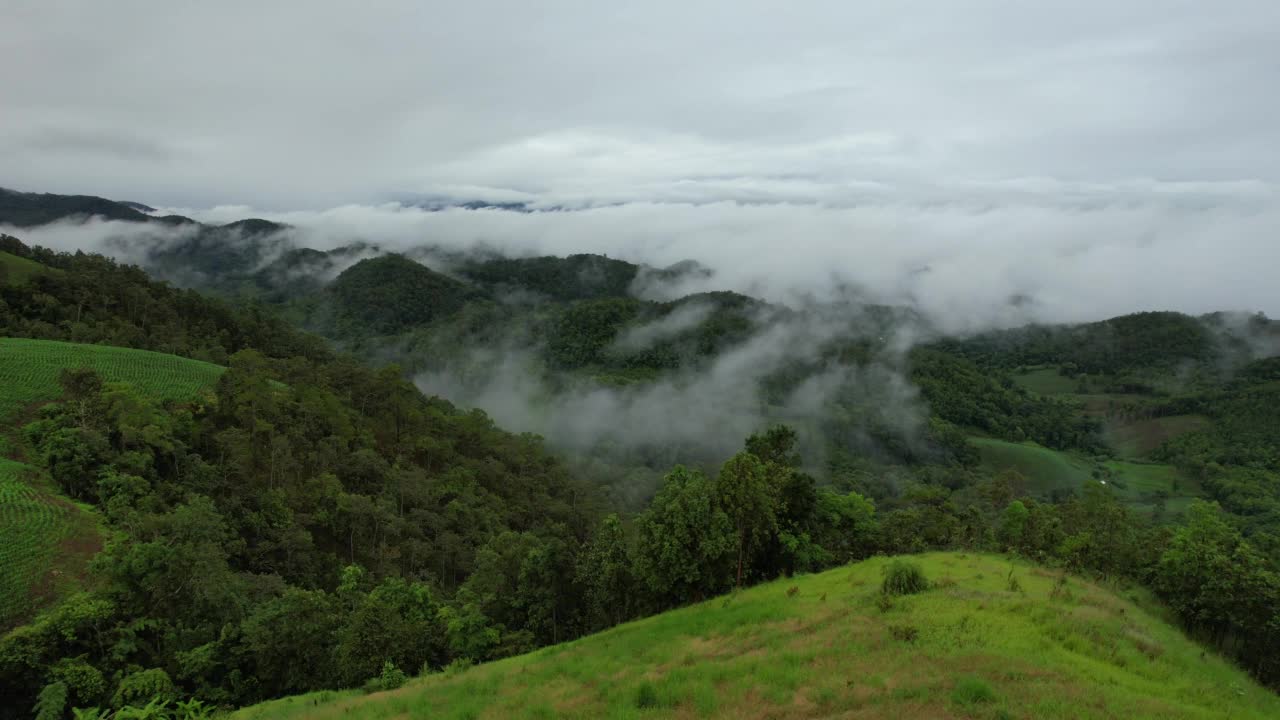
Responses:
[997,255]
[700,414]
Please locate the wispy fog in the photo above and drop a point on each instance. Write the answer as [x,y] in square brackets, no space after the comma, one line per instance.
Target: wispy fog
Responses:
[1060,254]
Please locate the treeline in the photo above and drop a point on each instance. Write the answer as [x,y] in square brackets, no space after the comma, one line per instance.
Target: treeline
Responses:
[1109,347]
[1236,457]
[962,393]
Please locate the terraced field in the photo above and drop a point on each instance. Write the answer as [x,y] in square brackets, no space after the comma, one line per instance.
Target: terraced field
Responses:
[29,371]
[31,526]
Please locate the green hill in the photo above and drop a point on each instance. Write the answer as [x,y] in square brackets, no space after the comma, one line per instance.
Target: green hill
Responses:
[29,371]
[824,646]
[391,293]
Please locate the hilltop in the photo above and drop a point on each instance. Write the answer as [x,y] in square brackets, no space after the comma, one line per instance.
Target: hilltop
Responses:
[992,638]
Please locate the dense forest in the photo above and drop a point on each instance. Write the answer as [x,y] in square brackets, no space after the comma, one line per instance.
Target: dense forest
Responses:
[315,521]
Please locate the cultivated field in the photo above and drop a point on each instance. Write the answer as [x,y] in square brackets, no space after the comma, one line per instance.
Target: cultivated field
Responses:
[29,371]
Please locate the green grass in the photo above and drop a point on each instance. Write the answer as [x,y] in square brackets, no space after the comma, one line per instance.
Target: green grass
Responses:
[1046,470]
[1139,484]
[978,650]
[29,371]
[1046,381]
[16,270]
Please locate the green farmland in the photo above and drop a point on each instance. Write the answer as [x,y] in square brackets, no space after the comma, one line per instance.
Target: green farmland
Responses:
[29,371]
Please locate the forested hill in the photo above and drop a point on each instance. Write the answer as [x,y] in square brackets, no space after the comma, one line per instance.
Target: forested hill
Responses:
[306,492]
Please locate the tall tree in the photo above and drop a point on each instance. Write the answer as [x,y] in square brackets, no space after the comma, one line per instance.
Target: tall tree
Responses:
[744,493]
[684,540]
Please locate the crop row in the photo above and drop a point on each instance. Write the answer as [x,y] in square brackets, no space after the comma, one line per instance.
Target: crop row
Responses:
[31,527]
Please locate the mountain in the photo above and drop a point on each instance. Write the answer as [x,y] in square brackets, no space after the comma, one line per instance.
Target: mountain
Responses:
[24,210]
[391,293]
[990,638]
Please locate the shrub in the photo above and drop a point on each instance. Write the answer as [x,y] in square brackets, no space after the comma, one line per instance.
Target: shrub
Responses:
[1012,582]
[972,691]
[458,665]
[1060,591]
[145,686]
[904,633]
[903,578]
[390,678]
[646,696]
[52,702]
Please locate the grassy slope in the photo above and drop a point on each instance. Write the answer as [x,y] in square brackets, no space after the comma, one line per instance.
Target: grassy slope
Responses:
[1138,484]
[18,270]
[1046,470]
[47,539]
[1046,381]
[828,651]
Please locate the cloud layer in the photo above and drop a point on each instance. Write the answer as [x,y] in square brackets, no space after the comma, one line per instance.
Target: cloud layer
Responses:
[823,100]
[1014,257]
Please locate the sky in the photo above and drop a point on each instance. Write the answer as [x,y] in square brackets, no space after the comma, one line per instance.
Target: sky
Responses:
[1095,156]
[287,105]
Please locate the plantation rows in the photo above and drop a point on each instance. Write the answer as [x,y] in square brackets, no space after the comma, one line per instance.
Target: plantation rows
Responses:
[30,529]
[29,371]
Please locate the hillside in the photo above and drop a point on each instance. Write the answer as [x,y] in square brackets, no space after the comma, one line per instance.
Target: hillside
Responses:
[15,270]
[49,539]
[392,293]
[819,646]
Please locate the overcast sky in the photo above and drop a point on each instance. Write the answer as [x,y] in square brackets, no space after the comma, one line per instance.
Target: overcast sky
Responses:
[309,105]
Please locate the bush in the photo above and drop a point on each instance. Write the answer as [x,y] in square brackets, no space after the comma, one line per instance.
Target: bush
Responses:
[145,686]
[458,665]
[1060,591]
[52,702]
[904,633]
[1012,582]
[903,578]
[390,678]
[646,697]
[972,691]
